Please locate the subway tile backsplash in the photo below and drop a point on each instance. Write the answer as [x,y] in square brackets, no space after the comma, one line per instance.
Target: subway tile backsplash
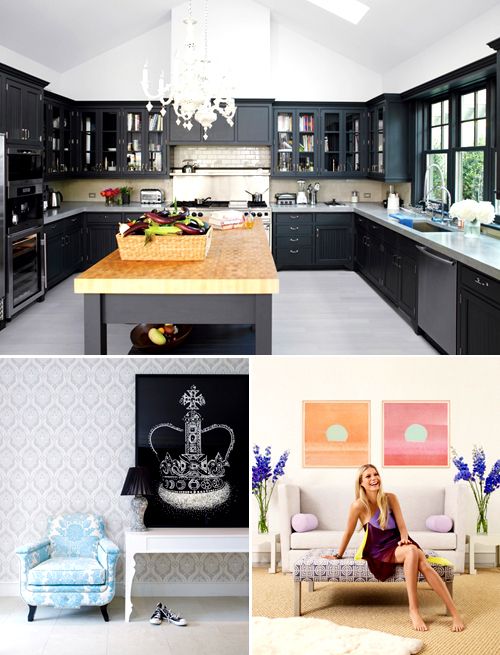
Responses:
[223,156]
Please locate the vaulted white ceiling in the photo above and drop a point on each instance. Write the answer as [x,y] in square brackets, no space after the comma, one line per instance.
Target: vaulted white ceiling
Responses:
[62,34]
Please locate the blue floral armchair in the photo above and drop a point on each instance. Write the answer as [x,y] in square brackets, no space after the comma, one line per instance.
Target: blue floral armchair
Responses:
[74,566]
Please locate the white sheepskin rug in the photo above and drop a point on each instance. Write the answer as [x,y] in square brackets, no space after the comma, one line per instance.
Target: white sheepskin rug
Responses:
[296,636]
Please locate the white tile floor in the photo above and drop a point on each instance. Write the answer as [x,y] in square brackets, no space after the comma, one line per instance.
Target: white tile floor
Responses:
[216,626]
[315,313]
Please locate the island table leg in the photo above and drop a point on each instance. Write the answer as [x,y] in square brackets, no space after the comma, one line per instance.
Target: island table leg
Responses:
[95,331]
[263,324]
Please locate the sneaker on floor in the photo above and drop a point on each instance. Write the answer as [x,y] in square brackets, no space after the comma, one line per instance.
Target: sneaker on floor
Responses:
[157,615]
[169,616]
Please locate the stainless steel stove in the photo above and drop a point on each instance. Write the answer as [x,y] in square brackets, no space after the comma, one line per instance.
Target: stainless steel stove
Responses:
[260,210]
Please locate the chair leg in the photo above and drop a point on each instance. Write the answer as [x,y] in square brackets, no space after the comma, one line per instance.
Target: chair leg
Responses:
[31,612]
[104,612]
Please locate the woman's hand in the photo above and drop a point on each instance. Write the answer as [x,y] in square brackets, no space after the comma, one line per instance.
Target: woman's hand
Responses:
[405,540]
[331,557]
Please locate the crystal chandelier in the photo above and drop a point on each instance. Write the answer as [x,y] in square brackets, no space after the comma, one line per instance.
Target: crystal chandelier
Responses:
[196,92]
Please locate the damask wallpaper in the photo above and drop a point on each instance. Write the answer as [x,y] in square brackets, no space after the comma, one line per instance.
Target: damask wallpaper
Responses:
[67,438]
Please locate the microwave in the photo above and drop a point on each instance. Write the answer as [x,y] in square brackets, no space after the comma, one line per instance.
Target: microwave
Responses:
[24,164]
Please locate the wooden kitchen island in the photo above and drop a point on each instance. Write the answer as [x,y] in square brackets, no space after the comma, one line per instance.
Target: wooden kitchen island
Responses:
[233,285]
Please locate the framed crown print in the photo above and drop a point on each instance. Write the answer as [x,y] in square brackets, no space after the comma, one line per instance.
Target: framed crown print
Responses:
[192,436]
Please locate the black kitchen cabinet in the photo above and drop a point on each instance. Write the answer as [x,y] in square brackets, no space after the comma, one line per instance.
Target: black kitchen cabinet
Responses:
[389,261]
[293,240]
[252,125]
[479,313]
[64,249]
[23,106]
[101,142]
[101,230]
[60,124]
[343,142]
[312,240]
[144,141]
[295,150]
[388,139]
[333,239]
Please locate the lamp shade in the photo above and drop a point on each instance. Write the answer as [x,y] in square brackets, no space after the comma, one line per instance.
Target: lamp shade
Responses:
[137,482]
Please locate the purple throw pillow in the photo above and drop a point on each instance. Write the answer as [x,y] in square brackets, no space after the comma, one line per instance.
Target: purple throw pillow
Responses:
[439,523]
[304,522]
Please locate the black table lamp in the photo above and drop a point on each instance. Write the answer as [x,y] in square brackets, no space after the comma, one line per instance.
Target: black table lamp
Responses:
[137,484]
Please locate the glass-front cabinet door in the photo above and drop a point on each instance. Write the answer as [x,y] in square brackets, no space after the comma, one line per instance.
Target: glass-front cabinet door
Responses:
[295,146]
[109,141]
[145,143]
[88,142]
[156,145]
[376,159]
[342,138]
[134,141]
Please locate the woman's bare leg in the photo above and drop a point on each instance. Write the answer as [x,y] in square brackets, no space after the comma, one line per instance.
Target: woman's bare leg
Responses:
[440,588]
[408,556]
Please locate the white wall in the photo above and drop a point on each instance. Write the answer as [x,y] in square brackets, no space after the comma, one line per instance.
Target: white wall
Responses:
[280,384]
[305,70]
[11,58]
[462,47]
[116,74]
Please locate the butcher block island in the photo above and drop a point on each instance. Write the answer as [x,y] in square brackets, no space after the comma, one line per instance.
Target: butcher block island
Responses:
[233,285]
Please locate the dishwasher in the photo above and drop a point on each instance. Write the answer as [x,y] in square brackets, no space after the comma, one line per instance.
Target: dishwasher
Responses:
[437,298]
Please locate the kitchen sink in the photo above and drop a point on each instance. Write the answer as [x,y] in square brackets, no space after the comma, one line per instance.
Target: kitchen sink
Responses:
[422,226]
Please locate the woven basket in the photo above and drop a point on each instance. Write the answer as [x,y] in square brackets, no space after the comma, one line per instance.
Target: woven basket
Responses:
[174,248]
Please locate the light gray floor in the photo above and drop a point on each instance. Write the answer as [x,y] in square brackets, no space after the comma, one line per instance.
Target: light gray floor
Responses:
[216,626]
[315,313]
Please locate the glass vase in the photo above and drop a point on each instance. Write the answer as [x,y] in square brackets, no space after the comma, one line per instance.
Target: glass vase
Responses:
[472,228]
[262,526]
[482,521]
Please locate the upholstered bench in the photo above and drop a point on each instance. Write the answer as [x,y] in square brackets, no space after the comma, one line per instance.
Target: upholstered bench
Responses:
[312,567]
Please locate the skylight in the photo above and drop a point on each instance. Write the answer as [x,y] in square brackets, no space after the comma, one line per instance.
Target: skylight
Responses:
[351,10]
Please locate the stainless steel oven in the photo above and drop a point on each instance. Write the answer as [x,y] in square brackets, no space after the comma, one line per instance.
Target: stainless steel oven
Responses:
[25,269]
[24,164]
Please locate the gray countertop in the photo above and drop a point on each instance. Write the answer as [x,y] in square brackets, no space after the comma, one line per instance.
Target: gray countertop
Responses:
[71,208]
[482,253]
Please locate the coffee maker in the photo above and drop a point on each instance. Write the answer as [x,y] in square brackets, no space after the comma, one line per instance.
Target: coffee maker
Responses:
[301,193]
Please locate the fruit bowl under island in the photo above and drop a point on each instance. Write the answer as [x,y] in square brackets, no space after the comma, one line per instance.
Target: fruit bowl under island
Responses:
[233,285]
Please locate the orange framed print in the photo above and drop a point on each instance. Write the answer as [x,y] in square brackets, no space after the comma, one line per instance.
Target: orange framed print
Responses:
[416,433]
[336,433]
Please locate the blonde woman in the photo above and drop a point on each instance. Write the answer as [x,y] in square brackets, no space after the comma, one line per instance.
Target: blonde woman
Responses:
[387,543]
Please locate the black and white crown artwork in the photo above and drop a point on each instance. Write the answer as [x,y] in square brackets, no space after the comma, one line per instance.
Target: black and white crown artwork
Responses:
[193,481]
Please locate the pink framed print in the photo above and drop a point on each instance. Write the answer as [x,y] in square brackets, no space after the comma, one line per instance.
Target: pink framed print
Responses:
[336,433]
[416,433]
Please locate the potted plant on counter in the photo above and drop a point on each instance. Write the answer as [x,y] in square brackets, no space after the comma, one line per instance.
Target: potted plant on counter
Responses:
[125,193]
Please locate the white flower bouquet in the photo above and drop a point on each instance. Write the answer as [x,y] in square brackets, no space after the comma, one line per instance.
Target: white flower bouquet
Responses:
[470,210]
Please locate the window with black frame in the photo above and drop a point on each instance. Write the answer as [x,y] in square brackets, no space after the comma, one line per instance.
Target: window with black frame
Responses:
[470,157]
[436,157]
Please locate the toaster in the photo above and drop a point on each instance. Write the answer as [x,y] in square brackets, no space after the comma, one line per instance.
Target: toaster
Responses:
[151,196]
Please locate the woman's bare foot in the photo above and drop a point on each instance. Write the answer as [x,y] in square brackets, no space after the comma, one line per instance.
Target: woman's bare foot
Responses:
[457,625]
[418,621]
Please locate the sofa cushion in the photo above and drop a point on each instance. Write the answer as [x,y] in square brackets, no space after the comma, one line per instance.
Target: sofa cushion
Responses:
[304,522]
[322,539]
[439,523]
[67,571]
[331,539]
[75,535]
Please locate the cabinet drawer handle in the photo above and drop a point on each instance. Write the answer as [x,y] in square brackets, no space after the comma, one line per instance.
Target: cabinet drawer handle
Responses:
[292,239]
[294,216]
[294,252]
[294,228]
[481,283]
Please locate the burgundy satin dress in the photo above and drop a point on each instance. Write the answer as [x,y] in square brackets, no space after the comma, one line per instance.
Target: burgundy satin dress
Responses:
[380,546]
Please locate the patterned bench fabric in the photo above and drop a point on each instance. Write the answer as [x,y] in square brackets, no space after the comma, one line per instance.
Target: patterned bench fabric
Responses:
[313,567]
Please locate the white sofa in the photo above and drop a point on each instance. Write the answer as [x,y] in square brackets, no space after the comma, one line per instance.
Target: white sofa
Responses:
[331,504]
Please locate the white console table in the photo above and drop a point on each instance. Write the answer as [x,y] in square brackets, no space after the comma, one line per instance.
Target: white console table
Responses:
[178,540]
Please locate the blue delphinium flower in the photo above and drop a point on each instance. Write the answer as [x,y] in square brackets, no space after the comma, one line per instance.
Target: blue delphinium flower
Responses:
[478,462]
[493,478]
[264,479]
[481,488]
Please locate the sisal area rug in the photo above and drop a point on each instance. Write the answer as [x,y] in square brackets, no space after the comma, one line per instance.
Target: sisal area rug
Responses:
[298,635]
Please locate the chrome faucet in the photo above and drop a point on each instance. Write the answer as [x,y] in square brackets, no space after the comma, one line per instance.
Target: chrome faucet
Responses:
[445,190]
[427,191]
